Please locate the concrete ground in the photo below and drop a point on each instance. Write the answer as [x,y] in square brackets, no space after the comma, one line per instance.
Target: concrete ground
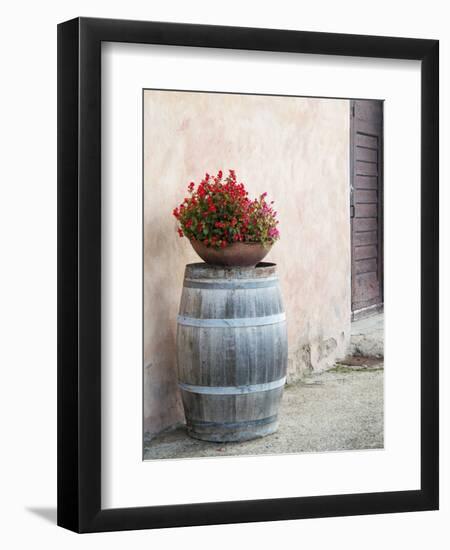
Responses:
[336,410]
[367,336]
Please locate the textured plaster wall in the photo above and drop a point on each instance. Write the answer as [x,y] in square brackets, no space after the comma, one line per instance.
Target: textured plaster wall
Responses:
[296,149]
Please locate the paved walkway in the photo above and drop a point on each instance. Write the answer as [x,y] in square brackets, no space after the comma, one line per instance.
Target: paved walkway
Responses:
[337,410]
[367,336]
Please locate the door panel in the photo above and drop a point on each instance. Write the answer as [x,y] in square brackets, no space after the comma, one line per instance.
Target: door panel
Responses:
[364,140]
[366,287]
[366,237]
[366,154]
[366,266]
[364,253]
[365,224]
[365,182]
[366,168]
[366,199]
[366,211]
[366,196]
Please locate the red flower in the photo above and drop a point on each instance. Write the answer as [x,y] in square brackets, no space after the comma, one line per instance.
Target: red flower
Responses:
[180,232]
[219,213]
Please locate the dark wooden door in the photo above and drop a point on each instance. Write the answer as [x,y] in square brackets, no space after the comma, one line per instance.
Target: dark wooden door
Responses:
[366,205]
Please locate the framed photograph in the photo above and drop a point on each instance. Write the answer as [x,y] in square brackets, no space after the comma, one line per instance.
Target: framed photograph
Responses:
[247,274]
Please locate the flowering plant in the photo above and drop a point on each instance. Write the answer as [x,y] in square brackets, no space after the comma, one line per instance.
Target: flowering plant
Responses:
[218,213]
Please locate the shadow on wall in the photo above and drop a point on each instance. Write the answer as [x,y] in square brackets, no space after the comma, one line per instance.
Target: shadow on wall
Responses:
[162,400]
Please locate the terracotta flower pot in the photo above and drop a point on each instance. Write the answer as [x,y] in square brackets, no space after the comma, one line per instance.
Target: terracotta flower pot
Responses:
[234,255]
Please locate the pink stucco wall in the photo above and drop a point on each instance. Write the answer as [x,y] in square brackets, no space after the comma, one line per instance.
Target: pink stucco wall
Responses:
[296,149]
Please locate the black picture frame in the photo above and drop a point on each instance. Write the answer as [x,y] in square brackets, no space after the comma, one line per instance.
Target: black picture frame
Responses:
[79,274]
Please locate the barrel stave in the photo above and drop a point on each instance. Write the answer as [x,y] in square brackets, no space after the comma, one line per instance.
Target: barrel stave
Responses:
[206,303]
[233,408]
[231,339]
[231,357]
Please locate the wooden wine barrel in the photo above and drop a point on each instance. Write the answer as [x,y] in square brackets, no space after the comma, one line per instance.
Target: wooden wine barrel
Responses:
[231,351]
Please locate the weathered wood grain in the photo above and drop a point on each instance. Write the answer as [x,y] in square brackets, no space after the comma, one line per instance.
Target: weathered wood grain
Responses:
[231,337]
[367,287]
[366,210]
[365,238]
[365,182]
[366,168]
[365,196]
[365,266]
[366,161]
[365,224]
[366,141]
[363,153]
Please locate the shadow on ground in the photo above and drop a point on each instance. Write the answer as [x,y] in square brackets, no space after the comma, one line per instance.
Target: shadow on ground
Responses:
[48,514]
[340,409]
